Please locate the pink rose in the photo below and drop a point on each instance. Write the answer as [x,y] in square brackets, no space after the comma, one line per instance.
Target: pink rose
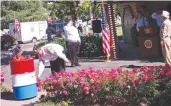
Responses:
[69,85]
[135,70]
[39,89]
[65,92]
[86,90]
[92,87]
[91,81]
[2,79]
[75,86]
[51,87]
[84,84]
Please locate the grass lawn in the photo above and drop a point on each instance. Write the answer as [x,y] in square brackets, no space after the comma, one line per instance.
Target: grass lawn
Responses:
[119,31]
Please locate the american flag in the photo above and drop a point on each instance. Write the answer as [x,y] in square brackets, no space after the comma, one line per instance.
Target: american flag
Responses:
[105,33]
[17,27]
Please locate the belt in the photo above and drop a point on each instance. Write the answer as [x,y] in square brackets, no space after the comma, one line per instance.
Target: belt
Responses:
[166,36]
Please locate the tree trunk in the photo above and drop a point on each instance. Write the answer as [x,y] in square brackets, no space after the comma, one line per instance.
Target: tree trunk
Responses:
[73,13]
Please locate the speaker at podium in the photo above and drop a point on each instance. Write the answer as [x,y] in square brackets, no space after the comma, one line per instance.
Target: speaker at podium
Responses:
[96,26]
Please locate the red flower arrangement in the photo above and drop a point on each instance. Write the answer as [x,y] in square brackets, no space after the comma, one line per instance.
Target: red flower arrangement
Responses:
[94,84]
[2,76]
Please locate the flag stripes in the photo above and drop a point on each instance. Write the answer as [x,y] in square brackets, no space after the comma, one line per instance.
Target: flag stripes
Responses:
[17,27]
[105,33]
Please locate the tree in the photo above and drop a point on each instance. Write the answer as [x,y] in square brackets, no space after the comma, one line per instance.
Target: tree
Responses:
[23,10]
[61,9]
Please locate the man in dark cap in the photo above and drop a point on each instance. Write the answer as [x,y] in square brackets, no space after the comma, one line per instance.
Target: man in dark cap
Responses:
[49,31]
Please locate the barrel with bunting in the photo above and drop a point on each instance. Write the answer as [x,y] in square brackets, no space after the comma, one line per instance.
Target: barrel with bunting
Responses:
[24,81]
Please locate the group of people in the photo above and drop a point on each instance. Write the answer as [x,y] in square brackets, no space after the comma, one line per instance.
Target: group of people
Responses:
[163,20]
[55,53]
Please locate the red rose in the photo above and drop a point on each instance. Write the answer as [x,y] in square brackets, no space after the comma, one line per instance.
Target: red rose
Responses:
[161,72]
[93,87]
[168,73]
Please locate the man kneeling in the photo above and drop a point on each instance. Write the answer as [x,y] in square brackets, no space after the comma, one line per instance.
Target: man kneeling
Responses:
[53,53]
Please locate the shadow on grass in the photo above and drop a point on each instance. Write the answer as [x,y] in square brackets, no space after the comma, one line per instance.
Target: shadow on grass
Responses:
[7,96]
[131,66]
[10,96]
[66,66]
[143,59]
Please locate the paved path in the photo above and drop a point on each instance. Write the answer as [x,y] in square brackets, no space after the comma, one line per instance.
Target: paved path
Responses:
[95,64]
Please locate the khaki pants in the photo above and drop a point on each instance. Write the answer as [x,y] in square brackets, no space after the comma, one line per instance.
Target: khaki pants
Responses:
[166,49]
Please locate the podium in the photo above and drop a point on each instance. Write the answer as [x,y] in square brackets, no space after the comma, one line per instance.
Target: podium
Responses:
[149,42]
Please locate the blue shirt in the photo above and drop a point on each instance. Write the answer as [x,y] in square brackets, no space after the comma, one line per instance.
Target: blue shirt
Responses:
[158,19]
[141,22]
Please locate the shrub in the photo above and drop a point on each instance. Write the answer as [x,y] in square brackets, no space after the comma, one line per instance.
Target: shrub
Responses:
[91,46]
[3,88]
[116,86]
[2,77]
[7,41]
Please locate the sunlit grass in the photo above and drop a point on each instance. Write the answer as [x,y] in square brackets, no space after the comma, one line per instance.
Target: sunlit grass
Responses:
[119,31]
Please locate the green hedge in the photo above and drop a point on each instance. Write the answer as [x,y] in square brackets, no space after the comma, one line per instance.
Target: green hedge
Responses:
[91,46]
[7,41]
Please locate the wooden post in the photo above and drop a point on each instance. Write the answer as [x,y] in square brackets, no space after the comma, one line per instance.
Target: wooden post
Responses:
[14,25]
[112,27]
[72,12]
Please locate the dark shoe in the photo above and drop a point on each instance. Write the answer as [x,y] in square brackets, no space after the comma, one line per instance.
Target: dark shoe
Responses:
[77,65]
[72,65]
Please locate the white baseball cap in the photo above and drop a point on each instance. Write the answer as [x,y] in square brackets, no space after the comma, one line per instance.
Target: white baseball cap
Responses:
[165,14]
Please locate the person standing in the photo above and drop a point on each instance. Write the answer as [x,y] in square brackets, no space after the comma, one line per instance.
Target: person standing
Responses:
[53,53]
[141,21]
[165,35]
[80,29]
[50,31]
[157,17]
[73,42]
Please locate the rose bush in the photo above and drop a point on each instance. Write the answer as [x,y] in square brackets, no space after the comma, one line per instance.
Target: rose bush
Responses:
[91,46]
[2,77]
[148,84]
[7,41]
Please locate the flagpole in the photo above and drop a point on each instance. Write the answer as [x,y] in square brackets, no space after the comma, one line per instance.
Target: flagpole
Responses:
[14,17]
[108,54]
[14,25]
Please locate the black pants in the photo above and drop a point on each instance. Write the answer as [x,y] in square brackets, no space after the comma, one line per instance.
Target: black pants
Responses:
[49,37]
[73,49]
[57,65]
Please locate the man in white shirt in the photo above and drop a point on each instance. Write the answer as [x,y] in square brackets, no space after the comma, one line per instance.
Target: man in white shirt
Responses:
[53,53]
[73,42]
